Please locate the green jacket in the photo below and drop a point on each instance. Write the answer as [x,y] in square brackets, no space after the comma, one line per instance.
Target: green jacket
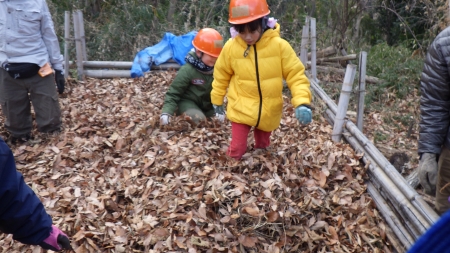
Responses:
[189,84]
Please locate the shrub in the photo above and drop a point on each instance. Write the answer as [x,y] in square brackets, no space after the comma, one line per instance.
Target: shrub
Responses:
[397,67]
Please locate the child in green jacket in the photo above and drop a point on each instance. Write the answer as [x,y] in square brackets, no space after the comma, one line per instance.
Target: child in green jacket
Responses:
[189,92]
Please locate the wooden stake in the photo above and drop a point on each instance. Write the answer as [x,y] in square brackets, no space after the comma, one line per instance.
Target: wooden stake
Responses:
[66,43]
[303,50]
[313,49]
[343,102]
[82,35]
[78,46]
[361,89]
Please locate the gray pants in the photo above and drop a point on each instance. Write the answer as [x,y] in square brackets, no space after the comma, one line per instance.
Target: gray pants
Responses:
[442,189]
[15,98]
[192,110]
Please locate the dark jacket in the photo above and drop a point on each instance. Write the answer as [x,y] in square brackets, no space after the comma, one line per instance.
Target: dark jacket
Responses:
[189,84]
[435,239]
[21,212]
[435,96]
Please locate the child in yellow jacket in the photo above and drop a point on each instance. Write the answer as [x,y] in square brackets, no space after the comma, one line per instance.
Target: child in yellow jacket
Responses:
[250,71]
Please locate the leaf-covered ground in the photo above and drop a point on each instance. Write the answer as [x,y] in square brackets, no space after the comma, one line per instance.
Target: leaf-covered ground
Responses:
[116,181]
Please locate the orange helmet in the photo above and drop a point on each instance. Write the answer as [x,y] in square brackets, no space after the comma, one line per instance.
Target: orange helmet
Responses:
[245,11]
[208,41]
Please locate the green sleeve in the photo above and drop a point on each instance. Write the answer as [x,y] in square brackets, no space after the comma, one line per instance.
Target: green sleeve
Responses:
[176,90]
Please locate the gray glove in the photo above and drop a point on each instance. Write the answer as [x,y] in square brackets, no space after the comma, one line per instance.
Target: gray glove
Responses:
[428,169]
[164,119]
[220,112]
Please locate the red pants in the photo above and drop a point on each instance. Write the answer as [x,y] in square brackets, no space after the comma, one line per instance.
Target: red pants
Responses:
[239,133]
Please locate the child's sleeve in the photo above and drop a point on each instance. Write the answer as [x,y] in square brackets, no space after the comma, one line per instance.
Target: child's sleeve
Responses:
[21,211]
[294,74]
[222,76]
[176,90]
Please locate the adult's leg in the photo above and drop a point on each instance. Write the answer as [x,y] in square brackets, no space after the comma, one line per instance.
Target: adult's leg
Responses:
[190,109]
[45,103]
[15,105]
[443,182]
[262,138]
[238,145]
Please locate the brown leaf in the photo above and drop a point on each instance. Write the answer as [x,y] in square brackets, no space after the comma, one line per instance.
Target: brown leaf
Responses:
[253,211]
[202,211]
[272,216]
[248,241]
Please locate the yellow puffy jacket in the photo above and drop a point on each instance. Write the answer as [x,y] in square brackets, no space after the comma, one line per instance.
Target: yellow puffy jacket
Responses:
[255,81]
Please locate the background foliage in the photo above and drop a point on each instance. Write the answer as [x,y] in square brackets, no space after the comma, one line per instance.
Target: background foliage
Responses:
[390,30]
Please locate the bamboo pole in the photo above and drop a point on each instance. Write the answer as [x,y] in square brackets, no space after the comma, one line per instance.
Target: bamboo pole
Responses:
[392,238]
[66,43]
[343,103]
[118,68]
[112,73]
[303,50]
[394,223]
[82,35]
[313,49]
[127,65]
[361,89]
[78,46]
[383,163]
[102,73]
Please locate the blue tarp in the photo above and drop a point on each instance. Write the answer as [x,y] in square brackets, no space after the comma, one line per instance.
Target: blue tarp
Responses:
[170,47]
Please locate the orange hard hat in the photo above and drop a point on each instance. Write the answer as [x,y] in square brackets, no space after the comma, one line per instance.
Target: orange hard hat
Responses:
[245,11]
[208,41]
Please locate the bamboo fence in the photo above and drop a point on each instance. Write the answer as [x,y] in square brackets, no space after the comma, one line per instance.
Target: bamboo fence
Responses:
[344,98]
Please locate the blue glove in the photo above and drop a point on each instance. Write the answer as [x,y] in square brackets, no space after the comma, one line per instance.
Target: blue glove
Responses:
[303,114]
[220,112]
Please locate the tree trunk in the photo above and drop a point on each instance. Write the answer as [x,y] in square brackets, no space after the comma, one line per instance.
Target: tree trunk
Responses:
[312,8]
[172,7]
[345,21]
[94,6]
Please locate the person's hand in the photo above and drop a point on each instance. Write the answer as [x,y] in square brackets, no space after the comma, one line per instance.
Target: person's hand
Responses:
[164,119]
[60,80]
[303,114]
[220,112]
[56,241]
[428,168]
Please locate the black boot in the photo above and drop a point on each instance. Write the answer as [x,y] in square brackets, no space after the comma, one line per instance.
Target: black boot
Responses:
[20,139]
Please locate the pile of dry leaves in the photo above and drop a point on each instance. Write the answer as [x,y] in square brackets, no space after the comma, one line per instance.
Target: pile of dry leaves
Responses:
[116,181]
